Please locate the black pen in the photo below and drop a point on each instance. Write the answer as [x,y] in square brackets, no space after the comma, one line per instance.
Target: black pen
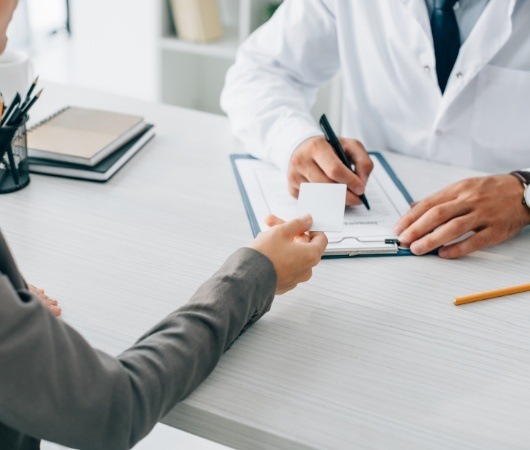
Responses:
[24,109]
[30,90]
[10,109]
[335,144]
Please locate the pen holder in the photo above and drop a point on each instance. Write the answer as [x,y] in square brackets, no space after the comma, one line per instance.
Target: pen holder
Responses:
[14,165]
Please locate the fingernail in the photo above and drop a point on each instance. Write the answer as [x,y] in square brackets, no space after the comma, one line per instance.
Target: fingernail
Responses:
[402,239]
[307,218]
[398,229]
[417,249]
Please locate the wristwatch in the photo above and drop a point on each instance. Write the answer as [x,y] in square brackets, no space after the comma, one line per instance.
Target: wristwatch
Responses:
[524,178]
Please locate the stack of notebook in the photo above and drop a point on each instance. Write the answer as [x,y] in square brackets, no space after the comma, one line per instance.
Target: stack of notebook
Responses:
[85,143]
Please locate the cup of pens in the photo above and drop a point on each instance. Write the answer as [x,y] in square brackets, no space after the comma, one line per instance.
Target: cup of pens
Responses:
[14,164]
[14,167]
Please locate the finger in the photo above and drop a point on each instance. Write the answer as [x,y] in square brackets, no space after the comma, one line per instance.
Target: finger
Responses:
[306,276]
[480,239]
[335,170]
[452,230]
[56,311]
[319,240]
[294,184]
[48,301]
[35,289]
[431,219]
[297,226]
[316,175]
[271,220]
[421,207]
[360,158]
[302,239]
[352,199]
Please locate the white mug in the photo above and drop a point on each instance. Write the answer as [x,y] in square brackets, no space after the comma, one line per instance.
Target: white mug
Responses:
[15,74]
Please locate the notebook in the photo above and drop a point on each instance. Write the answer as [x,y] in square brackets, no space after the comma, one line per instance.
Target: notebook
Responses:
[365,232]
[82,135]
[102,171]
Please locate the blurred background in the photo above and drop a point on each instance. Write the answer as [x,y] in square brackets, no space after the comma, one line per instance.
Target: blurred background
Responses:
[136,47]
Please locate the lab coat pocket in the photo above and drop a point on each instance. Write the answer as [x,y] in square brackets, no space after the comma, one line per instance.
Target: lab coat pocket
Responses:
[500,128]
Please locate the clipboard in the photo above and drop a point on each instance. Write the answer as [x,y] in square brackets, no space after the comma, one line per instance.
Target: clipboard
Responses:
[263,189]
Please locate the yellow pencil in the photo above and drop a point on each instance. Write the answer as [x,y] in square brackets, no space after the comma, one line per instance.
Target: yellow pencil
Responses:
[491,294]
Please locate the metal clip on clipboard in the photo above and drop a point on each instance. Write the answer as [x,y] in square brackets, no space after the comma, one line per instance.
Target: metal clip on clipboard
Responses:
[357,246]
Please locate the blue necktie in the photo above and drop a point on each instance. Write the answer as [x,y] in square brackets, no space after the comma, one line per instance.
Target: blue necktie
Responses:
[446,38]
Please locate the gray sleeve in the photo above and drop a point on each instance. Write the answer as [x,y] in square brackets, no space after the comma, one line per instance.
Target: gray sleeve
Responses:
[54,386]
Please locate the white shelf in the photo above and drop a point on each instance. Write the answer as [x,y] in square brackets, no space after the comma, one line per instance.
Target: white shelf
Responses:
[191,74]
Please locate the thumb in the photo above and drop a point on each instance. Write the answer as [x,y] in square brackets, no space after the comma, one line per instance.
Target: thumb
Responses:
[272,220]
[297,226]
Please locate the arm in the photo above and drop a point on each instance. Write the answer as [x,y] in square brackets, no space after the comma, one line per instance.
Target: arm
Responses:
[54,386]
[271,88]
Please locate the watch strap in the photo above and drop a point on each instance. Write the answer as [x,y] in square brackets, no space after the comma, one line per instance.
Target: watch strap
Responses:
[522,176]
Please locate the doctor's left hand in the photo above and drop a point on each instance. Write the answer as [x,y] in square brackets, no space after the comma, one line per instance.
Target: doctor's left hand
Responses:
[491,207]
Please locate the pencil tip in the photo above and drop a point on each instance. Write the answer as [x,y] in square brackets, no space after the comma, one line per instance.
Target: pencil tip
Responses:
[39,93]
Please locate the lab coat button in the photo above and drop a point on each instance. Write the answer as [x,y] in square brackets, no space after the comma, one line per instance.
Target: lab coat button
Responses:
[426,69]
[459,75]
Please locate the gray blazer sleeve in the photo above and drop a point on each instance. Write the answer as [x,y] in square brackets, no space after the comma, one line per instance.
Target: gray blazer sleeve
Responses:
[55,386]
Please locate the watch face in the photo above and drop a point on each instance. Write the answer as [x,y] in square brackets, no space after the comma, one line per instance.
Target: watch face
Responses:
[526,196]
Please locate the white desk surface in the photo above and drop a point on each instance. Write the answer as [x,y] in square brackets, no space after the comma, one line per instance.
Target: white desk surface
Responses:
[371,353]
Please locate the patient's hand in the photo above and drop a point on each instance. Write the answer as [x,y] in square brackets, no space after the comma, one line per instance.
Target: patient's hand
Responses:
[50,303]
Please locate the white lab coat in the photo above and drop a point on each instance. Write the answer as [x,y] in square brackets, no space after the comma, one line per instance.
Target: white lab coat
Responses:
[391,97]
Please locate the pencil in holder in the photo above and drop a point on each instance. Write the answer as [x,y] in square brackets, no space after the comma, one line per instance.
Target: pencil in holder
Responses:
[14,165]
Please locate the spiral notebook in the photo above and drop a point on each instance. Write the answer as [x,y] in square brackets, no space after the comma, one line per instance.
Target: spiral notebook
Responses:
[82,135]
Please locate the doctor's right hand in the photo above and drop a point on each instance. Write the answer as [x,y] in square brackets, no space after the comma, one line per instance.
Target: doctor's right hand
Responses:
[315,161]
[292,249]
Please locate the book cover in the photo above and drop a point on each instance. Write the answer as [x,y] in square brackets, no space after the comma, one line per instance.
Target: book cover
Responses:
[102,171]
[82,135]
[197,20]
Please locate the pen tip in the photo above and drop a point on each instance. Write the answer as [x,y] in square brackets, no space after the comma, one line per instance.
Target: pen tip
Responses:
[39,93]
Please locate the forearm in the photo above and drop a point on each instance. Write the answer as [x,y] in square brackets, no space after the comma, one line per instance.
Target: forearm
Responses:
[198,334]
[53,385]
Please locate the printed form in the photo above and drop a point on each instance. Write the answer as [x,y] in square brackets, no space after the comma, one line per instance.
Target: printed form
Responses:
[364,232]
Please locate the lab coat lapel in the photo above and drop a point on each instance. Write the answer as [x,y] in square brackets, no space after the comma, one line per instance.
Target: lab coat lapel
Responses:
[419,12]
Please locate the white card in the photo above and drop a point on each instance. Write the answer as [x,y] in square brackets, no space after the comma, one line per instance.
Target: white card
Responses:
[325,202]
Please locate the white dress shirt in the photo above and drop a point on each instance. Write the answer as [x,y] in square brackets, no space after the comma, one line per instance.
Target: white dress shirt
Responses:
[391,97]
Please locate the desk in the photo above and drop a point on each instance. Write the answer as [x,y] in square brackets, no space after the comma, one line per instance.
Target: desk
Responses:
[371,353]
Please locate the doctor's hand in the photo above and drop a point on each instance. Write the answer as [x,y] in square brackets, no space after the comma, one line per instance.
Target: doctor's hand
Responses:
[292,249]
[315,161]
[489,207]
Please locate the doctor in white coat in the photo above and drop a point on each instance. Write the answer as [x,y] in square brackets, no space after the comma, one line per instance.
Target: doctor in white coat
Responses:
[398,95]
